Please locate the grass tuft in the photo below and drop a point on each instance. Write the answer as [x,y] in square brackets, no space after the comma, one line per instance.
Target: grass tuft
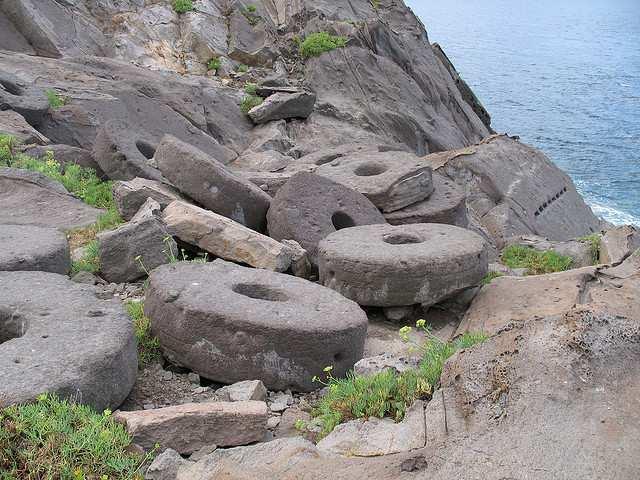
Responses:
[56,439]
[318,43]
[148,345]
[536,262]
[55,99]
[214,64]
[183,6]
[249,102]
[489,277]
[594,240]
[90,261]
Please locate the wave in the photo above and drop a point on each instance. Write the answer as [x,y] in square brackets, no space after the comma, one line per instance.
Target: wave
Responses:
[613,215]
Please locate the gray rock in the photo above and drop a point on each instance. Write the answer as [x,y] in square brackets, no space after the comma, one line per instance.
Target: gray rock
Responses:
[203,452]
[243,391]
[447,204]
[30,198]
[263,325]
[580,251]
[56,336]
[211,184]
[391,180]
[86,278]
[225,238]
[14,124]
[280,106]
[375,437]
[249,42]
[386,265]
[27,100]
[310,207]
[65,155]
[385,361]
[130,195]
[165,466]
[397,314]
[618,243]
[28,247]
[187,428]
[269,182]
[132,250]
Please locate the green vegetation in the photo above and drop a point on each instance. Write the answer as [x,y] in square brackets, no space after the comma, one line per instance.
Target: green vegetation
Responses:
[214,64]
[594,240]
[386,394]
[90,261]
[148,345]
[251,8]
[318,43]
[242,68]
[375,4]
[489,277]
[183,6]
[250,88]
[182,256]
[7,146]
[536,262]
[249,13]
[55,99]
[249,102]
[55,439]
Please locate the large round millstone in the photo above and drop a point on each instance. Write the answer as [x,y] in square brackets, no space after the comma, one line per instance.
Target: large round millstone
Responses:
[387,265]
[27,247]
[57,336]
[230,323]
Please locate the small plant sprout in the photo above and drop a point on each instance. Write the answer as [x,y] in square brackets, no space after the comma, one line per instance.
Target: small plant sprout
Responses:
[138,259]
[55,99]
[183,6]
[249,102]
[318,43]
[214,64]
[242,68]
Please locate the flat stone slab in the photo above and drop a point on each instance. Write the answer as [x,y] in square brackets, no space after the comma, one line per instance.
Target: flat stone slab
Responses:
[30,198]
[447,204]
[283,105]
[28,247]
[387,265]
[130,195]
[309,207]
[230,323]
[391,180]
[57,336]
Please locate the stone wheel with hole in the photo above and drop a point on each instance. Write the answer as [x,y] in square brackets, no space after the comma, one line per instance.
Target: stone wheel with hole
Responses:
[56,336]
[387,266]
[230,323]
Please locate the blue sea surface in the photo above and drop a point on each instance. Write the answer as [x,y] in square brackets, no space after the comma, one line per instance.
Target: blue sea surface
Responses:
[564,75]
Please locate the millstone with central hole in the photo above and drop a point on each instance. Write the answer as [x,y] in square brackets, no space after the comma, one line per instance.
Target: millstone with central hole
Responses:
[230,323]
[57,336]
[389,266]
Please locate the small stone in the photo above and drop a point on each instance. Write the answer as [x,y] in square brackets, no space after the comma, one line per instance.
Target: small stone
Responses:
[242,391]
[203,452]
[413,464]
[166,376]
[199,390]
[194,378]
[165,466]
[148,406]
[273,422]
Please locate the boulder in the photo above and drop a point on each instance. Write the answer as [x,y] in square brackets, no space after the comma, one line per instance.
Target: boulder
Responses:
[14,124]
[385,361]
[27,100]
[280,106]
[165,466]
[211,184]
[187,428]
[447,204]
[124,153]
[130,195]
[269,182]
[132,250]
[263,325]
[386,265]
[30,198]
[376,437]
[243,391]
[28,247]
[309,207]
[225,238]
[618,243]
[57,337]
[67,155]
[391,180]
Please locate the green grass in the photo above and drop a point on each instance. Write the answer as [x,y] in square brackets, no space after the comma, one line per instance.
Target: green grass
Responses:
[249,12]
[183,6]
[489,277]
[250,88]
[8,144]
[594,240]
[55,99]
[249,102]
[385,394]
[148,345]
[90,261]
[53,439]
[318,43]
[242,68]
[214,64]
[536,262]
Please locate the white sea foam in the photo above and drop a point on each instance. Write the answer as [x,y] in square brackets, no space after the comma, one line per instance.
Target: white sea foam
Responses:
[613,215]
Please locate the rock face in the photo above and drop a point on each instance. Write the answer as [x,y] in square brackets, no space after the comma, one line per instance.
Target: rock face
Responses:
[281,106]
[263,325]
[27,247]
[225,238]
[212,185]
[131,195]
[391,180]
[309,207]
[618,243]
[386,265]
[189,427]
[56,336]
[30,198]
[14,124]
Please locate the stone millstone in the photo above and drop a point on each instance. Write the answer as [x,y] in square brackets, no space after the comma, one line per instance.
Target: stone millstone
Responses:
[386,265]
[447,204]
[230,323]
[211,184]
[391,180]
[56,336]
[30,198]
[27,247]
[309,207]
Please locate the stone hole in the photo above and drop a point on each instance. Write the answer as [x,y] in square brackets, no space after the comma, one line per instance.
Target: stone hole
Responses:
[401,238]
[145,149]
[11,325]
[370,169]
[341,220]
[11,87]
[260,292]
